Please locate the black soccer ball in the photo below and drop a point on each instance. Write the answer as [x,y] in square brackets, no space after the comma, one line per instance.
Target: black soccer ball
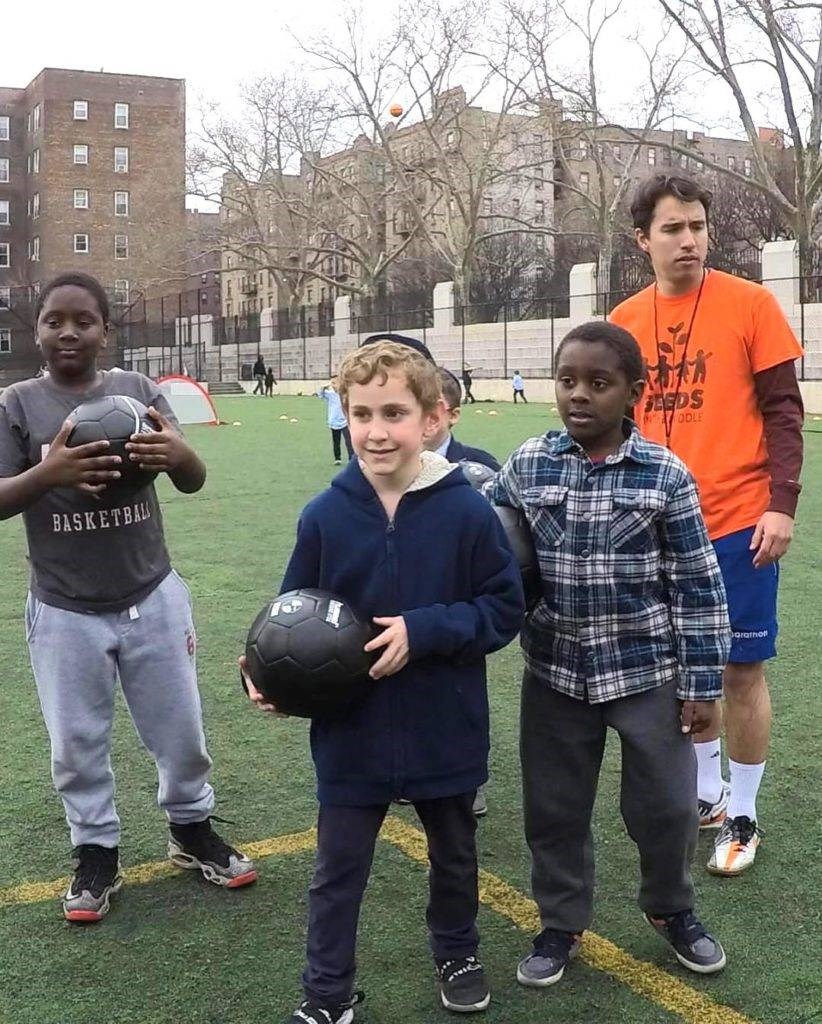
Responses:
[477,473]
[305,654]
[114,419]
[522,544]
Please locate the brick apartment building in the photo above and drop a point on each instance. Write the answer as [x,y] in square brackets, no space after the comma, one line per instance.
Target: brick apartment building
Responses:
[92,178]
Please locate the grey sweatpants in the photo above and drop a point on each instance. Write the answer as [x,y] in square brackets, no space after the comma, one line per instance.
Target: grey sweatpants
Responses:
[562,741]
[77,659]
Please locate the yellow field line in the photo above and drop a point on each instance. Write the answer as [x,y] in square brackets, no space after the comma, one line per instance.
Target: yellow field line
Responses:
[151,871]
[641,977]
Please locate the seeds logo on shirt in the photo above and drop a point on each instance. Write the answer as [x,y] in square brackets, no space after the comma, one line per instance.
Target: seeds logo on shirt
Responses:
[675,381]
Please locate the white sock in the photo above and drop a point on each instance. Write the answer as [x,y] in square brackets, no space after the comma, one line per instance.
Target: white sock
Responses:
[745,780]
[709,770]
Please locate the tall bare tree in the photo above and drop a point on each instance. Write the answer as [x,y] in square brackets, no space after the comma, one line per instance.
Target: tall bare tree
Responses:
[596,159]
[460,174]
[783,43]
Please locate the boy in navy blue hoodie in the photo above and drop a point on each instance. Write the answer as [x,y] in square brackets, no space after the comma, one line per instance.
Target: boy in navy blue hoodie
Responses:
[403,535]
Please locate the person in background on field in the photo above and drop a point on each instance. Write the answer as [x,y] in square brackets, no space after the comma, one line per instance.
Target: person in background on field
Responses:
[337,423]
[518,385]
[270,381]
[259,376]
[443,441]
[737,426]
[467,381]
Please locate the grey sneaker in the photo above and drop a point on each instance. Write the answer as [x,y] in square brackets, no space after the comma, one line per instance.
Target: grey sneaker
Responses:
[197,846]
[480,804]
[96,878]
[693,946]
[546,964]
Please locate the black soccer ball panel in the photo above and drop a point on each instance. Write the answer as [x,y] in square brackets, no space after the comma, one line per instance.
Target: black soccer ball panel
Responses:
[305,654]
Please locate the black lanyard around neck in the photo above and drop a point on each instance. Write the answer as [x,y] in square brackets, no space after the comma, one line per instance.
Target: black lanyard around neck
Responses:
[669,422]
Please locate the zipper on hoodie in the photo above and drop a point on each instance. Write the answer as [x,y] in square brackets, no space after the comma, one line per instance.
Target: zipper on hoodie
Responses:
[391,556]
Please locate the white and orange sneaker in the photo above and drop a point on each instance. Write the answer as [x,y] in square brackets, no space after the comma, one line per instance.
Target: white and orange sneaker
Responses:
[711,815]
[735,847]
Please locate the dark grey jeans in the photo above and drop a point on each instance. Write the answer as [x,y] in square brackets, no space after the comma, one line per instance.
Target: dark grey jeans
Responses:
[345,848]
[561,746]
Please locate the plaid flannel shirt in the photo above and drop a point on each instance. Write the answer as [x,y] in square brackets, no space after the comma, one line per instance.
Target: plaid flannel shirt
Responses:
[632,595]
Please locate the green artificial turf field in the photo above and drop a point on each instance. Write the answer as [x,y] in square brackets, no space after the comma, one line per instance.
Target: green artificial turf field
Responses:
[175,950]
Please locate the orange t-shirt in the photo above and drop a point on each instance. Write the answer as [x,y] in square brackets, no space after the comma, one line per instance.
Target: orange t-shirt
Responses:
[716,425]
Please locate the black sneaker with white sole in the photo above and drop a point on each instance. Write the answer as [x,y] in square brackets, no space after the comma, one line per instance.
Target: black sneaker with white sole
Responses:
[311,1012]
[546,964]
[693,946]
[463,987]
[96,878]
[198,847]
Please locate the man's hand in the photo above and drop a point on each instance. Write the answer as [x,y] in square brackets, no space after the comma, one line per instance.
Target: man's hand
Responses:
[697,715]
[162,450]
[86,467]
[771,538]
[394,638]
[254,694]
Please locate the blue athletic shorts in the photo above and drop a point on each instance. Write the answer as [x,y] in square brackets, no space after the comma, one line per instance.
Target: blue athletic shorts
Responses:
[751,598]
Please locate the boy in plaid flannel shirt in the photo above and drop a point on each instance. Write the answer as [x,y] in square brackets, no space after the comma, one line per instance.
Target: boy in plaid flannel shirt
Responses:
[631,632]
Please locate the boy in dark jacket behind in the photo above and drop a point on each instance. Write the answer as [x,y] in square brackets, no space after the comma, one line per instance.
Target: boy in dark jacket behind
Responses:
[432,566]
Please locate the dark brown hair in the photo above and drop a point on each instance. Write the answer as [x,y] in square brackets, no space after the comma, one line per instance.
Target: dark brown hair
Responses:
[650,191]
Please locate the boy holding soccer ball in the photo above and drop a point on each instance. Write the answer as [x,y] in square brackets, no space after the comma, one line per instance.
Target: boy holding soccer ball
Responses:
[403,536]
[104,602]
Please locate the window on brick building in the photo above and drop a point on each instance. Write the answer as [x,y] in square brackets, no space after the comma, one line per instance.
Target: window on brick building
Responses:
[539,211]
[35,249]
[4,169]
[748,167]
[5,257]
[35,118]
[35,205]
[81,199]
[121,115]
[121,291]
[81,243]
[4,211]
[4,127]
[81,110]
[5,340]
[121,204]
[35,162]
[584,181]
[5,298]
[731,163]
[81,154]
[121,159]
[121,247]
[651,156]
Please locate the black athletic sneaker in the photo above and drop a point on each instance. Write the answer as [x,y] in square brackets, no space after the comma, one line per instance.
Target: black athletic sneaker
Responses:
[96,878]
[693,946]
[546,964]
[463,987]
[309,1012]
[198,847]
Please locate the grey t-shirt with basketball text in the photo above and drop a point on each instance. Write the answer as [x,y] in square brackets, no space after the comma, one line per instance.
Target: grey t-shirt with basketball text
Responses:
[86,554]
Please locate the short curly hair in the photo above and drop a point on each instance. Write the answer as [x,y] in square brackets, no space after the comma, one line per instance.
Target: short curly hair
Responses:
[381,358]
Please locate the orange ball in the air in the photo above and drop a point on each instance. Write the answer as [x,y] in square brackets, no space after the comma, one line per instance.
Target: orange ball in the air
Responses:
[395,110]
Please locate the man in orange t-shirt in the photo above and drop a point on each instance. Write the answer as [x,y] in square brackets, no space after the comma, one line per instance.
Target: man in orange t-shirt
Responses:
[722,394]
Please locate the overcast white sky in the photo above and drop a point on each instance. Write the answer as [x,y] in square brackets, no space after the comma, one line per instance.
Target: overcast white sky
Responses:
[215,45]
